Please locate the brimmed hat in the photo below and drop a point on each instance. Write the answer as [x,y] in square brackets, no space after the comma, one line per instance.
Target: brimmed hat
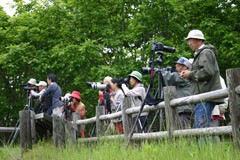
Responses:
[195,34]
[76,94]
[136,75]
[42,83]
[32,81]
[184,61]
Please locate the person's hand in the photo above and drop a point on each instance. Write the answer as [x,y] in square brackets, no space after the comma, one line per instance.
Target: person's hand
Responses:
[185,74]
[222,111]
[100,92]
[32,92]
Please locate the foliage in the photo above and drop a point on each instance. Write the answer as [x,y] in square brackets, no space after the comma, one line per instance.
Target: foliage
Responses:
[84,41]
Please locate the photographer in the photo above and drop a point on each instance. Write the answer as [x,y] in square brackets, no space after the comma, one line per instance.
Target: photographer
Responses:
[76,105]
[55,91]
[183,89]
[104,96]
[40,103]
[137,94]
[116,99]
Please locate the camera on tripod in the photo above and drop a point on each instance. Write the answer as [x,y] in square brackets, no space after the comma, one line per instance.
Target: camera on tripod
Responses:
[27,87]
[160,47]
[147,70]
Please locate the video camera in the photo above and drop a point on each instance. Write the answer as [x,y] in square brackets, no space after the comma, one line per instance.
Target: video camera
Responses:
[159,46]
[146,70]
[28,88]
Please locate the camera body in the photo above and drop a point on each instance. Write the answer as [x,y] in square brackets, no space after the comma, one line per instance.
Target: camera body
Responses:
[146,70]
[159,46]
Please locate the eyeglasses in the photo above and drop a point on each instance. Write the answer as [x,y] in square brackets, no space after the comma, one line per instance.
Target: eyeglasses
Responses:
[190,40]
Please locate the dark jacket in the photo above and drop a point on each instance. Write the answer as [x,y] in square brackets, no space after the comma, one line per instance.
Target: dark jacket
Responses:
[205,74]
[183,88]
[56,92]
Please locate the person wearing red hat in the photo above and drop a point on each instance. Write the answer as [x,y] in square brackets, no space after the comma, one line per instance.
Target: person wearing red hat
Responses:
[77,106]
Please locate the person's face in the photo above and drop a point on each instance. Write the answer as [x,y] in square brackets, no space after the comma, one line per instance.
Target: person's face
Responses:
[180,67]
[113,86]
[133,82]
[41,88]
[48,81]
[194,44]
[74,100]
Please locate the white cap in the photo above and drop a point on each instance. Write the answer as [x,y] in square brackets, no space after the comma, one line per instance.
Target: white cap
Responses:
[32,81]
[42,83]
[195,34]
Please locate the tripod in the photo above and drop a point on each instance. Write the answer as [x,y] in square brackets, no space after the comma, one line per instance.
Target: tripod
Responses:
[15,132]
[149,99]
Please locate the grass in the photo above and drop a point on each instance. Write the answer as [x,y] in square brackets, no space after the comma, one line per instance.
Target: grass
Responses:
[181,149]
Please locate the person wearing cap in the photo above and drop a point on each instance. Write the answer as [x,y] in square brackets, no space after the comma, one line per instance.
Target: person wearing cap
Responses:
[55,92]
[76,105]
[183,89]
[137,95]
[32,82]
[204,76]
[41,103]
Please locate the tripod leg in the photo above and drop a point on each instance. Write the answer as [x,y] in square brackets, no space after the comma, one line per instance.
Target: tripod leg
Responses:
[160,119]
[155,116]
[14,133]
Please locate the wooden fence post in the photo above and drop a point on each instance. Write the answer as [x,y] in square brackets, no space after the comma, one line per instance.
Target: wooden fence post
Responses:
[99,123]
[58,131]
[76,116]
[27,129]
[169,94]
[233,80]
[126,119]
[70,133]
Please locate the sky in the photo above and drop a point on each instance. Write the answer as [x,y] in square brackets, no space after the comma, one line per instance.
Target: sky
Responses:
[6,4]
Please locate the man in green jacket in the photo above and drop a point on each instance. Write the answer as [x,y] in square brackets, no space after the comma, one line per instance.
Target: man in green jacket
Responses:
[183,89]
[204,76]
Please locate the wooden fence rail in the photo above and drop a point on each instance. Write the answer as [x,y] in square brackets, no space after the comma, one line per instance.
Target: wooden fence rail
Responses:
[169,104]
[8,129]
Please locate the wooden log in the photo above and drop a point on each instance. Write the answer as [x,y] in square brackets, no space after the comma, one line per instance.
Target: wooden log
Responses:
[58,131]
[26,130]
[126,119]
[233,80]
[111,116]
[33,127]
[226,130]
[70,133]
[203,97]
[86,121]
[99,123]
[223,130]
[9,129]
[169,94]
[76,117]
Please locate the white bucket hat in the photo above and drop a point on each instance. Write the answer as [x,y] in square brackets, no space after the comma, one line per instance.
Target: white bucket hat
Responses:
[42,83]
[32,81]
[195,34]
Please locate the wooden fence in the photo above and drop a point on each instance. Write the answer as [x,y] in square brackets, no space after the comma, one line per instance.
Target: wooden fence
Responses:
[64,132]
